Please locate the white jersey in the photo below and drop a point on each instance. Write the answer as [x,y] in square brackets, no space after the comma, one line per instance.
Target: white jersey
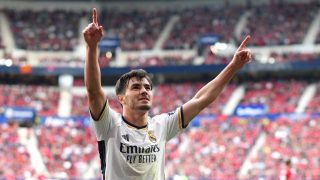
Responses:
[134,153]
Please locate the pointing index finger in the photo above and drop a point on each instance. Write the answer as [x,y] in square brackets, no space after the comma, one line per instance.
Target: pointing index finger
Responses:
[245,42]
[94,16]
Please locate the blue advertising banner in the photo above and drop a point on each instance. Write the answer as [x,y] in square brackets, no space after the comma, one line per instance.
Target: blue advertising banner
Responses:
[2,119]
[197,120]
[208,39]
[59,121]
[251,110]
[109,43]
[19,114]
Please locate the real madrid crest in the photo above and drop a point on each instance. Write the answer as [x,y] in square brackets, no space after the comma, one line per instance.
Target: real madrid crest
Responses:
[152,137]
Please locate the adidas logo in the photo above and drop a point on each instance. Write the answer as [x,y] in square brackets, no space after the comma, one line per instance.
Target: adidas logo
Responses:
[126,137]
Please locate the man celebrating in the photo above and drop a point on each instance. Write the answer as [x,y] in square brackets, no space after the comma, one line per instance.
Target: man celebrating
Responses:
[132,144]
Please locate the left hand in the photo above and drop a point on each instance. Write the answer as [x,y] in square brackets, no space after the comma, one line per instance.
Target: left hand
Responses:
[242,55]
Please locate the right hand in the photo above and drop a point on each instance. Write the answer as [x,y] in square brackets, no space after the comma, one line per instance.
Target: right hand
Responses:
[242,55]
[93,32]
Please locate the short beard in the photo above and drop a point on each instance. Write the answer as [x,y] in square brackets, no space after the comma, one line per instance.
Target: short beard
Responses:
[144,108]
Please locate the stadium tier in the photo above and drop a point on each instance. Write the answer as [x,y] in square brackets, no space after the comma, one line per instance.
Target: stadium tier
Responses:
[205,20]
[67,149]
[38,30]
[133,26]
[280,24]
[43,99]
[14,156]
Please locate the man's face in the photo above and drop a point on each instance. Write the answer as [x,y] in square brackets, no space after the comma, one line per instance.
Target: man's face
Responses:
[138,95]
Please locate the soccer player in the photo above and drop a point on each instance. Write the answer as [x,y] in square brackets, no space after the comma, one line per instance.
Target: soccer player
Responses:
[132,144]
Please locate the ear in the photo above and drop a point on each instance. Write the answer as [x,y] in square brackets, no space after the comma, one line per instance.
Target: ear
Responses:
[121,98]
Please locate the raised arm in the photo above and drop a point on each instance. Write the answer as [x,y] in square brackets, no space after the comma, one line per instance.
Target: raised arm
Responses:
[92,76]
[207,94]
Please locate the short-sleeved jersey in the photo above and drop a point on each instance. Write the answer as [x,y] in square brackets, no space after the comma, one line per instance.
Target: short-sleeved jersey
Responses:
[130,152]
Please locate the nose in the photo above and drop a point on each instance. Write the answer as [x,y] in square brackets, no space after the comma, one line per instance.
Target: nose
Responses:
[143,90]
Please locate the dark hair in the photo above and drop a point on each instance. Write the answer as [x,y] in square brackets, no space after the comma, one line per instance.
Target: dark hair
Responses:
[123,81]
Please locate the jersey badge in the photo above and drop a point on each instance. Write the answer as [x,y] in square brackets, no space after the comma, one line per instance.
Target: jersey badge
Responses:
[152,137]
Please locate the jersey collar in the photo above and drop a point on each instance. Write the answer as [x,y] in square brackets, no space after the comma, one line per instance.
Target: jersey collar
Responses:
[132,125]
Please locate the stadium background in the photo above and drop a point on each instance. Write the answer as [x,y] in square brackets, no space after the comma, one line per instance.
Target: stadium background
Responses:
[269,113]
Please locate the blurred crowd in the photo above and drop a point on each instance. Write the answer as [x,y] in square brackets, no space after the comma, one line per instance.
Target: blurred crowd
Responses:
[219,145]
[280,24]
[289,140]
[38,29]
[215,150]
[14,156]
[137,29]
[43,99]
[140,29]
[66,148]
[272,94]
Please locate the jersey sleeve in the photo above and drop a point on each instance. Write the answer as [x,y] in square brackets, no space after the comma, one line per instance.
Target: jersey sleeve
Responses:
[104,123]
[174,123]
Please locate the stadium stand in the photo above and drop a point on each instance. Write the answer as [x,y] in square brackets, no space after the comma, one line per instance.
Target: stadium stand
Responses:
[216,149]
[313,105]
[280,24]
[292,57]
[14,157]
[206,20]
[43,99]
[66,148]
[289,140]
[37,30]
[177,94]
[80,104]
[159,61]
[274,95]
[137,29]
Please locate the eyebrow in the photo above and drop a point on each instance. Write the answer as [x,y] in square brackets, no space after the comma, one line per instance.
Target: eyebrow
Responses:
[135,84]
[139,84]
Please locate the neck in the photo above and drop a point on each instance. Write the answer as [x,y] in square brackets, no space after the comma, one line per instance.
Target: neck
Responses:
[139,119]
